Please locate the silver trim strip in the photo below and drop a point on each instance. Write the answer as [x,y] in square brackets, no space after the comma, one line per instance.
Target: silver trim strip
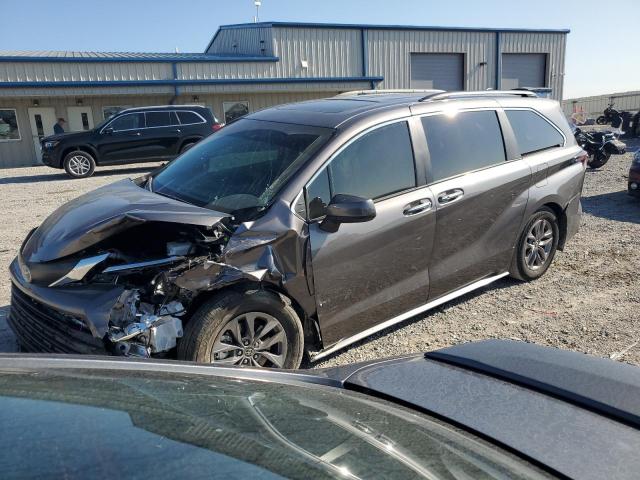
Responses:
[134,266]
[80,270]
[428,306]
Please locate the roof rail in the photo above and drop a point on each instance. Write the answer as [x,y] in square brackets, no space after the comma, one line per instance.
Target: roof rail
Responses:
[482,93]
[388,91]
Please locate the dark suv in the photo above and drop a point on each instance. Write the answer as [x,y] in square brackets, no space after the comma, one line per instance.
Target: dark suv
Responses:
[305,227]
[144,134]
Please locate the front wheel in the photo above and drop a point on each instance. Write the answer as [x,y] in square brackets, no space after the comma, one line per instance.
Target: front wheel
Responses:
[598,159]
[255,328]
[536,246]
[79,164]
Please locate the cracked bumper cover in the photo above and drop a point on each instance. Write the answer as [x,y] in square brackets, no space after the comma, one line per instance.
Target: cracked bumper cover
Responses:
[65,320]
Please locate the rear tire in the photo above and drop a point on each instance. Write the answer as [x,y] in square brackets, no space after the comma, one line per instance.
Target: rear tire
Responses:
[255,328]
[186,147]
[79,164]
[536,247]
[601,120]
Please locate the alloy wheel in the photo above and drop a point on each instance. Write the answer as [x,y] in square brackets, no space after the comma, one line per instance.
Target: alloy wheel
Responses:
[538,245]
[79,165]
[252,339]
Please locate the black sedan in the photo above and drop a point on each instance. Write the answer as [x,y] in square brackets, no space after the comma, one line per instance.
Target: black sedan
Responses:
[493,409]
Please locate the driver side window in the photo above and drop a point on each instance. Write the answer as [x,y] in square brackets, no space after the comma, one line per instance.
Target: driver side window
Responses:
[378,164]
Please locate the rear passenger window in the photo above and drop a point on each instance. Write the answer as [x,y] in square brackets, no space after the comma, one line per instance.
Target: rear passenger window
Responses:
[533,133]
[188,117]
[379,163]
[158,119]
[463,142]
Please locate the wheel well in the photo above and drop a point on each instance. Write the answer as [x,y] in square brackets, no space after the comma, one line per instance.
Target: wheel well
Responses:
[561,215]
[310,329]
[82,148]
[187,141]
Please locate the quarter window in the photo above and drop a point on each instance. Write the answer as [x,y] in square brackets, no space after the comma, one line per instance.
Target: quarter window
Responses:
[131,121]
[187,118]
[463,142]
[158,119]
[533,133]
[377,164]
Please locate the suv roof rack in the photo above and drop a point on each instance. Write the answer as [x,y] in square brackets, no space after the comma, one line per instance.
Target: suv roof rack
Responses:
[389,91]
[482,93]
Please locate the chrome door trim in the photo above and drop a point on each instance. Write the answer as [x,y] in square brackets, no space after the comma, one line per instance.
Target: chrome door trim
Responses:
[428,306]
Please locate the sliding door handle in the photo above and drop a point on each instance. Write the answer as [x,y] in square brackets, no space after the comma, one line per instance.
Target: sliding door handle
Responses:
[450,196]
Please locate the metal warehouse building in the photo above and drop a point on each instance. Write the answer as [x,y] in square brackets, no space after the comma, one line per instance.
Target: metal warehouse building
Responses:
[248,67]
[594,106]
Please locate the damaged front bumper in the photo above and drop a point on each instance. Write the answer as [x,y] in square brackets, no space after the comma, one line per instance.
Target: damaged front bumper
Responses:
[80,319]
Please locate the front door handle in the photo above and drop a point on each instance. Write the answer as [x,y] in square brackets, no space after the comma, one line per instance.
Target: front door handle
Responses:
[450,196]
[135,134]
[419,206]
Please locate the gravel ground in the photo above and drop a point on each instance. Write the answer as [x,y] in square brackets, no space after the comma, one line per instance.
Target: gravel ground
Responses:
[588,300]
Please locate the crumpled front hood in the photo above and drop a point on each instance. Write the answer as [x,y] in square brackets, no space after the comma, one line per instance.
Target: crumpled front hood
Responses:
[102,213]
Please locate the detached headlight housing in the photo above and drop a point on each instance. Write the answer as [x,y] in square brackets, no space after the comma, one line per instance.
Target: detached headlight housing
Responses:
[51,144]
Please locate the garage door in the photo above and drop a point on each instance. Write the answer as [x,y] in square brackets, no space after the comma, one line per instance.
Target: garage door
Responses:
[523,70]
[444,71]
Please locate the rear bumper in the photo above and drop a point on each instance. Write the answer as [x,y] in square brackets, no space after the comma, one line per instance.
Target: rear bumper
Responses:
[573,213]
[60,320]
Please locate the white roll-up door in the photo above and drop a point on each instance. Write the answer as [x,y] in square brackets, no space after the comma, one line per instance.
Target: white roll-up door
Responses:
[444,71]
[522,70]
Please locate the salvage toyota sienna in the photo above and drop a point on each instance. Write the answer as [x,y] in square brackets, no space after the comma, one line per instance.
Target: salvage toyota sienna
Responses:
[304,228]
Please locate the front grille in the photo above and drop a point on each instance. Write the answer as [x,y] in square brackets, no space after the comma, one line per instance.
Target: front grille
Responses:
[40,328]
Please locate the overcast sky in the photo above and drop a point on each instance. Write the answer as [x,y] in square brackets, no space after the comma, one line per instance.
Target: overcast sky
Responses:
[603,53]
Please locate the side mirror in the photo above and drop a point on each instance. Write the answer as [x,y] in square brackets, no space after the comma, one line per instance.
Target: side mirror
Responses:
[107,131]
[347,209]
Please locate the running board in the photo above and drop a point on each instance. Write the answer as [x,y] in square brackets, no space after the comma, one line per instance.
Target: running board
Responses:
[411,313]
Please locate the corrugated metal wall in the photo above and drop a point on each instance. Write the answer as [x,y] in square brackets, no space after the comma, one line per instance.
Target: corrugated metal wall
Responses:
[389,54]
[594,106]
[243,41]
[83,72]
[553,44]
[329,52]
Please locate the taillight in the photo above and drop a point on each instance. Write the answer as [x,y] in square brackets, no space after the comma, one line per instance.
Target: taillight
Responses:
[583,158]
[216,127]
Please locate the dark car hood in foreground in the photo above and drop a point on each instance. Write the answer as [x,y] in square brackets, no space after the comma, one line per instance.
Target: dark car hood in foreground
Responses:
[99,214]
[573,415]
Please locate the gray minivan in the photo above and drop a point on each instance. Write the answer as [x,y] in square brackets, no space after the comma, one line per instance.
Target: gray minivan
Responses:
[304,228]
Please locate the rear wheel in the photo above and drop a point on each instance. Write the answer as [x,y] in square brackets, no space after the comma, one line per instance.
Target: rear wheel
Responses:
[536,246]
[601,120]
[186,147]
[79,164]
[255,328]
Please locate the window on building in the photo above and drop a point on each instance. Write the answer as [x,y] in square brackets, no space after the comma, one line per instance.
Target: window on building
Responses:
[379,163]
[158,119]
[187,118]
[234,110]
[108,112]
[130,121]
[463,142]
[533,133]
[9,125]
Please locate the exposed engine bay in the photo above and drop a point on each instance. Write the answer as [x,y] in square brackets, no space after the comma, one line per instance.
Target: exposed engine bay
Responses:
[159,259]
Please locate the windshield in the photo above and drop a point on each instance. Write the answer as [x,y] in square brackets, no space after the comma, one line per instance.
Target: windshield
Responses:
[240,168]
[145,424]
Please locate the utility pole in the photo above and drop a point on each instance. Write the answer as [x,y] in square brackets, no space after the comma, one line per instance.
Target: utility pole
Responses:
[257,3]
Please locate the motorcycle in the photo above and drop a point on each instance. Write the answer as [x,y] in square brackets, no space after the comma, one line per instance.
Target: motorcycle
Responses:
[609,115]
[599,146]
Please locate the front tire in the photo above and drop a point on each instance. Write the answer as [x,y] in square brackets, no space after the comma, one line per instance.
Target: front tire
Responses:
[536,247]
[79,164]
[254,328]
[599,159]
